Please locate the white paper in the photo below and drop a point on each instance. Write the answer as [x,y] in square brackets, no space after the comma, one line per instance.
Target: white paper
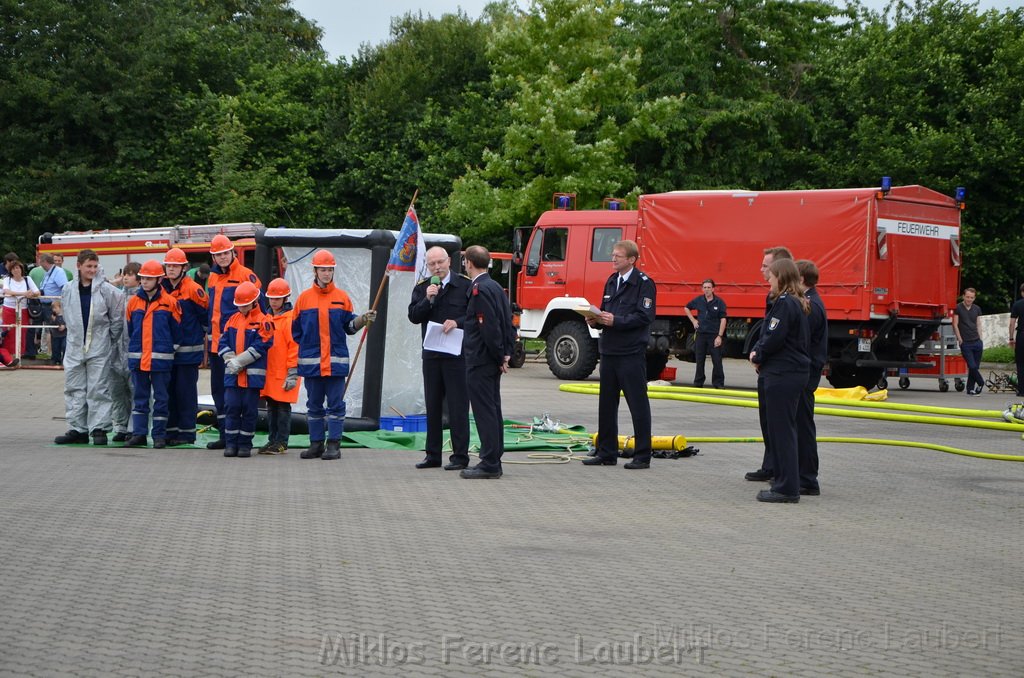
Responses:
[445,342]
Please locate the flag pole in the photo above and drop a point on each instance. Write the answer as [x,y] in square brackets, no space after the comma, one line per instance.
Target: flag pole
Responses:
[376,300]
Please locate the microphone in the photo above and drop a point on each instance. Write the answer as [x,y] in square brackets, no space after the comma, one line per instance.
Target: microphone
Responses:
[434,280]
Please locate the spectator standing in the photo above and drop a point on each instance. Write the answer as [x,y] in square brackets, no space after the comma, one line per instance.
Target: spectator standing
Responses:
[18,288]
[968,335]
[58,334]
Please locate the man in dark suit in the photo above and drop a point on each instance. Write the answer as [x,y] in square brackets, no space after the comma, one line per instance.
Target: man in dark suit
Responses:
[488,346]
[627,311]
[442,299]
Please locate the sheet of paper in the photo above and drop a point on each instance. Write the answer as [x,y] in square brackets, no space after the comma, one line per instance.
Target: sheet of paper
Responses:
[437,340]
[590,311]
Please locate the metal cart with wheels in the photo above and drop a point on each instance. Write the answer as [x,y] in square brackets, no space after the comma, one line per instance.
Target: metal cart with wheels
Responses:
[946,363]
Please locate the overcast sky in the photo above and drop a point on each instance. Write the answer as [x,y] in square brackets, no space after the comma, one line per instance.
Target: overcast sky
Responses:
[347,23]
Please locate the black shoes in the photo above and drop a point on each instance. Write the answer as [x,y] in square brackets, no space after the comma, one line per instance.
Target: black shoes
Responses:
[244,452]
[230,451]
[120,436]
[455,466]
[73,437]
[478,473]
[136,441]
[159,443]
[637,465]
[429,463]
[332,451]
[760,475]
[315,450]
[600,461]
[218,444]
[172,442]
[99,437]
[810,491]
[773,497]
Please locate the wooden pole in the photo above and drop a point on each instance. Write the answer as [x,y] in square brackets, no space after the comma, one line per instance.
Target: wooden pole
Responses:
[376,300]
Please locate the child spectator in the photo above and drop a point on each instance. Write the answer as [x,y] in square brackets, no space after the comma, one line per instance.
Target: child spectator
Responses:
[120,377]
[247,338]
[58,334]
[281,389]
[154,331]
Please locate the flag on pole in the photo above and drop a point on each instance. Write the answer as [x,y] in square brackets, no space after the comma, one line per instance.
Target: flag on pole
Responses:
[410,252]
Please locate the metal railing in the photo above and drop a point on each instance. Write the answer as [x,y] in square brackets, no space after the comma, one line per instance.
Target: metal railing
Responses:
[19,328]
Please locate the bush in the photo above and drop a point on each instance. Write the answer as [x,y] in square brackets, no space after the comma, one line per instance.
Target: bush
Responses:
[998,354]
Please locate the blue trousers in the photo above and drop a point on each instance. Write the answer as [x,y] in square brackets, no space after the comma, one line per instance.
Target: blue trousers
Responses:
[330,389]
[279,421]
[628,374]
[216,364]
[807,434]
[971,351]
[242,408]
[144,384]
[783,393]
[181,415]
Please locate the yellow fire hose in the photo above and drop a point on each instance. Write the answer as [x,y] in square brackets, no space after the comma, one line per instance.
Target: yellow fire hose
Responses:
[749,399]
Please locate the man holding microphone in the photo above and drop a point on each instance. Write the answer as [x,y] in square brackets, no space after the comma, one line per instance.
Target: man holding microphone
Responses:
[442,299]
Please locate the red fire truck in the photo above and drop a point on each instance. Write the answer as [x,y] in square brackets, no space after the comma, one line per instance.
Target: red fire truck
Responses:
[889,261]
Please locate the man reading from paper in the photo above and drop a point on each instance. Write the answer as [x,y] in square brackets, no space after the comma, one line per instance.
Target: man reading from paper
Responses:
[440,300]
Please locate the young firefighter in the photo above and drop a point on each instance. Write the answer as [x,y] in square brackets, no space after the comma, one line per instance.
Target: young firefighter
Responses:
[154,332]
[281,389]
[323,315]
[244,344]
[192,299]
[226,275]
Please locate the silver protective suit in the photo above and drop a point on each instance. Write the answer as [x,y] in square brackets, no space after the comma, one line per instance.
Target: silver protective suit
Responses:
[88,356]
[120,377]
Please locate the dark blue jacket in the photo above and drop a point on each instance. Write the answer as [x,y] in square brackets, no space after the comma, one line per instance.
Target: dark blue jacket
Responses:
[633,306]
[488,324]
[449,304]
[817,327]
[709,313]
[782,348]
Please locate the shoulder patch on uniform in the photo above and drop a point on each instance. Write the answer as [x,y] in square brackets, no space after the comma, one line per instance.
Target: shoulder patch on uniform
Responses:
[252,278]
[772,324]
[201,291]
[648,302]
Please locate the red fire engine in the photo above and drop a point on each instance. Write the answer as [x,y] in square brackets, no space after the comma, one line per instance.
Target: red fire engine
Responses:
[889,261]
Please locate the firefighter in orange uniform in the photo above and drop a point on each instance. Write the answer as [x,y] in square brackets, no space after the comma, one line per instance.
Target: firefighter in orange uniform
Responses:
[244,345]
[323,316]
[226,274]
[281,389]
[192,299]
[154,333]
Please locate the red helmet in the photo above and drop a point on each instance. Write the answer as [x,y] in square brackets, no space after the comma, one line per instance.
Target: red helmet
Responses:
[175,255]
[278,288]
[246,293]
[151,269]
[323,259]
[221,243]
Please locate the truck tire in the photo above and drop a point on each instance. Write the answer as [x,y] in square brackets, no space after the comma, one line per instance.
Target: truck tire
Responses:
[571,352]
[518,358]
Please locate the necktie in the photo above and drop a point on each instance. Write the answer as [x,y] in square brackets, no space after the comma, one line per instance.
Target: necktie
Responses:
[618,285]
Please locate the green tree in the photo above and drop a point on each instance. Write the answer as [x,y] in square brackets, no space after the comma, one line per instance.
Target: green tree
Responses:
[574,113]
[930,94]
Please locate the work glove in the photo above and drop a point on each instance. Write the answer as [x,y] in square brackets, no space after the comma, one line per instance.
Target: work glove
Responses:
[227,355]
[232,366]
[241,361]
[292,380]
[365,319]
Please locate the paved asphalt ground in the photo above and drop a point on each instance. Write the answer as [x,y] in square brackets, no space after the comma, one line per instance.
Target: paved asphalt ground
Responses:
[181,562]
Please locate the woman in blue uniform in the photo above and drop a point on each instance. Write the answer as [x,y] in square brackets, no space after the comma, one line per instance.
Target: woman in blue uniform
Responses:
[781,358]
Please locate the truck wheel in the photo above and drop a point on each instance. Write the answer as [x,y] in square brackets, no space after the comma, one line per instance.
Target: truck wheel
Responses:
[656,365]
[847,376]
[518,355]
[904,383]
[571,353]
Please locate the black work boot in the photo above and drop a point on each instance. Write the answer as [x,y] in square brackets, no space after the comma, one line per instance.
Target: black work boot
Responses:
[244,452]
[120,436]
[72,437]
[333,450]
[230,451]
[217,444]
[99,437]
[159,443]
[316,449]
[136,441]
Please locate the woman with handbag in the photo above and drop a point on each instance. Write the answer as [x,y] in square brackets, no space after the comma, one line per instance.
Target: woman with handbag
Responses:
[18,289]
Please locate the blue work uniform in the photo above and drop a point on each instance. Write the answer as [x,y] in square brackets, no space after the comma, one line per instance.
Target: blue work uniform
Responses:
[623,350]
[709,319]
[783,361]
[807,432]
